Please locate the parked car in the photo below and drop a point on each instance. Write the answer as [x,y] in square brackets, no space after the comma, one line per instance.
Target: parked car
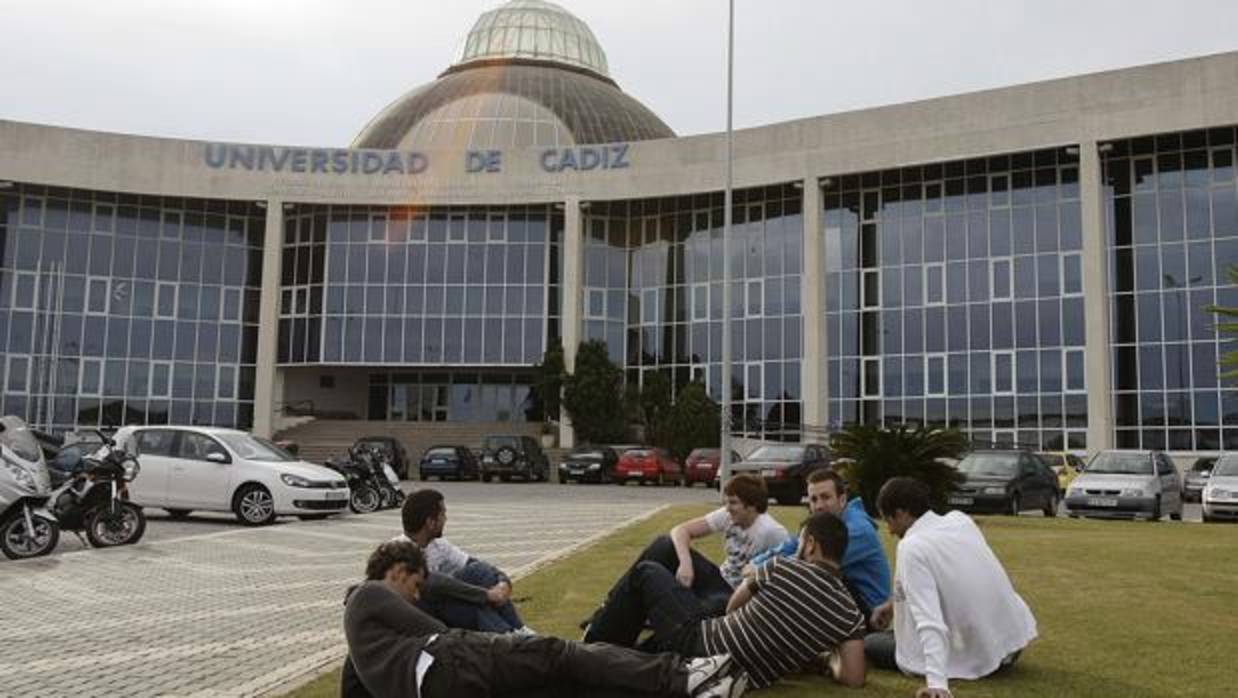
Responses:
[1197,478]
[456,462]
[1127,485]
[701,465]
[648,464]
[1220,496]
[1065,465]
[511,455]
[1005,482]
[186,469]
[784,467]
[391,446]
[589,464]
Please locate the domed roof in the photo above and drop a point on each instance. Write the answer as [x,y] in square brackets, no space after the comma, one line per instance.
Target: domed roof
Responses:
[536,30]
[530,74]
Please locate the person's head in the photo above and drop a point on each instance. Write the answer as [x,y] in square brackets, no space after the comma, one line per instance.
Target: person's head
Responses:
[424,511]
[746,498]
[901,501]
[399,564]
[827,491]
[823,538]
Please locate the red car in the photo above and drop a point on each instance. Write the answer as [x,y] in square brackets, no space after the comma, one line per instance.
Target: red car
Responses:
[648,465]
[702,465]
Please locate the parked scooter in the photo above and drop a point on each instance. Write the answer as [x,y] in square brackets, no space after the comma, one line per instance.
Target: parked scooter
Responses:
[364,494]
[92,495]
[27,528]
[389,492]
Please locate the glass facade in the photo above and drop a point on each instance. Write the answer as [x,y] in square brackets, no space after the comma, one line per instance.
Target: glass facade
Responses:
[1172,231]
[452,396]
[431,287]
[955,297]
[653,293]
[122,309]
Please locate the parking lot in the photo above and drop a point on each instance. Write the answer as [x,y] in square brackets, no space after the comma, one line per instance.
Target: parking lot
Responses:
[207,607]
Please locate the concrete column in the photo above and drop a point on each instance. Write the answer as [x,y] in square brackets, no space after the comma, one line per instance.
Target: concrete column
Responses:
[813,383]
[573,300]
[1098,362]
[265,389]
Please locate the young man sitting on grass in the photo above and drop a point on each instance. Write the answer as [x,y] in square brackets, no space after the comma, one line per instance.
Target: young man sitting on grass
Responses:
[865,570]
[747,529]
[461,591]
[779,621]
[399,651]
[956,615]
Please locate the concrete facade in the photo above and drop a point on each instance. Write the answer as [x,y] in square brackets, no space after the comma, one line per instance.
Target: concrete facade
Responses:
[1082,112]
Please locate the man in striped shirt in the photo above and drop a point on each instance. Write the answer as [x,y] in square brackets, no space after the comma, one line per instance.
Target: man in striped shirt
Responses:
[778,622]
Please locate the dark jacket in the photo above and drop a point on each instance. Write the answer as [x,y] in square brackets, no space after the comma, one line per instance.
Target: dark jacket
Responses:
[386,634]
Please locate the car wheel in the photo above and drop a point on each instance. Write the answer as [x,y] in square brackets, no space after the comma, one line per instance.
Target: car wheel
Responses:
[254,505]
[505,478]
[1176,515]
[179,514]
[1016,505]
[1051,506]
[1156,511]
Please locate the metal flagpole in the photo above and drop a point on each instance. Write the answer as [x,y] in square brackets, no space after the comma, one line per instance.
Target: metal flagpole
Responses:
[725,462]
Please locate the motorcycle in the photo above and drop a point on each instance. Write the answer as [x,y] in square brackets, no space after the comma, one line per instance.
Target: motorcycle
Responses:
[92,495]
[372,482]
[27,528]
[389,492]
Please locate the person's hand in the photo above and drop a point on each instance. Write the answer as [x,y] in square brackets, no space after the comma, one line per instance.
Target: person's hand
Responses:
[749,571]
[499,594]
[927,692]
[882,616]
[684,575]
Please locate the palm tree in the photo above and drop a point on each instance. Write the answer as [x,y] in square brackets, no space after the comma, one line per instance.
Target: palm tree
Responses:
[1228,324]
[873,455]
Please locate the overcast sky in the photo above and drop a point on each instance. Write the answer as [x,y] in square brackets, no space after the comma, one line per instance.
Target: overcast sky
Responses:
[313,72]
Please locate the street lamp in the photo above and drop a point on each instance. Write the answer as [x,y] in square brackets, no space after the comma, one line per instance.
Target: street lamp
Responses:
[724,464]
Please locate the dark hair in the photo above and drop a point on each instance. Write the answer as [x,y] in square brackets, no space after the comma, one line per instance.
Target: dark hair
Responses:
[823,474]
[903,494]
[829,532]
[392,553]
[420,507]
[750,489]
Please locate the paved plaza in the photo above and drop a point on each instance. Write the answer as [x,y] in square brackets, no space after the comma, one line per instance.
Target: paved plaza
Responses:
[241,612]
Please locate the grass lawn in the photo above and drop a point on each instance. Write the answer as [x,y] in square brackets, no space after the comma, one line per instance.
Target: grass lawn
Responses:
[1135,610]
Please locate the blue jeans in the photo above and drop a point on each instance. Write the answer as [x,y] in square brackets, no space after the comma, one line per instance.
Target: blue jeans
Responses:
[467,616]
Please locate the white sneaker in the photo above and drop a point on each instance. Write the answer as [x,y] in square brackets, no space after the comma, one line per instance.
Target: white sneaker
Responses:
[524,631]
[704,670]
[729,686]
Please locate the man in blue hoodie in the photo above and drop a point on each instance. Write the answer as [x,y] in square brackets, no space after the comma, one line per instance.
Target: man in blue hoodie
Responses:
[865,570]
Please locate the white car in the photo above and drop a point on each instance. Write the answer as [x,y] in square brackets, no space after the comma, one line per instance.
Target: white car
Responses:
[1220,495]
[208,469]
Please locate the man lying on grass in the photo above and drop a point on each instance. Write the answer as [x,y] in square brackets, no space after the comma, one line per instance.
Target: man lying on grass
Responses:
[400,651]
[956,615]
[865,570]
[461,590]
[779,621]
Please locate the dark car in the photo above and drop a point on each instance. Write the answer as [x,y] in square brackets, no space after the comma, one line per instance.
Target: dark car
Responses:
[443,462]
[512,455]
[400,462]
[1197,478]
[785,468]
[701,465]
[588,464]
[1006,482]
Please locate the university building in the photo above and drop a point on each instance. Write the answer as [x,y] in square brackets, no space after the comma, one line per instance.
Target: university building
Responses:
[1028,263]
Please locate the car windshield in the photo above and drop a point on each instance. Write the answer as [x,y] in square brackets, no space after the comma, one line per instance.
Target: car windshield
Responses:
[637,453]
[778,453]
[1107,463]
[1001,464]
[16,435]
[496,442]
[1226,467]
[706,453]
[587,453]
[1054,460]
[440,453]
[256,448]
[1203,464]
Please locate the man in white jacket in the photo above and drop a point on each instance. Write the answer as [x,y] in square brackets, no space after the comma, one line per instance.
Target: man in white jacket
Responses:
[955,613]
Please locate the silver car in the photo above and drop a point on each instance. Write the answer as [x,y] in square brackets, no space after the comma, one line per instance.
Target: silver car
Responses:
[1220,496]
[1127,485]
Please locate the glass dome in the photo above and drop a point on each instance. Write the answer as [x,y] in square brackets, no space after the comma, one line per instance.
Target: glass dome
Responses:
[536,30]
